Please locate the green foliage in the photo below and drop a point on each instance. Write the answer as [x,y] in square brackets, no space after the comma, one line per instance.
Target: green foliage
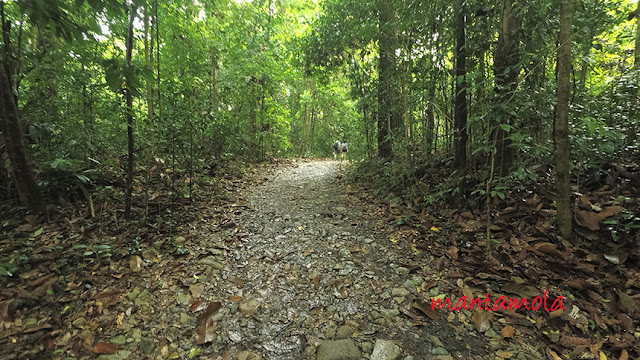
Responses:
[7,268]
[94,251]
[594,144]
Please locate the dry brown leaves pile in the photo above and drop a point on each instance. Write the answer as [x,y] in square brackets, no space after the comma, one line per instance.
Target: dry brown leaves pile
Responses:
[598,278]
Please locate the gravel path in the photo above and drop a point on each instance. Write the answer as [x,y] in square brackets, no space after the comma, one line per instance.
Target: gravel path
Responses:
[317,280]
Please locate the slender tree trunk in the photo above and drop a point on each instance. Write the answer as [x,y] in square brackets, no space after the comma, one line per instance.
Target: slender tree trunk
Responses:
[563,146]
[148,56]
[129,99]
[214,86]
[460,131]
[157,28]
[637,49]
[387,101]
[589,42]
[431,128]
[585,62]
[22,171]
[632,129]
[506,73]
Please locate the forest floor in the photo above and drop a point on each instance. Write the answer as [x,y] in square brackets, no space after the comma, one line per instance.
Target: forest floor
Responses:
[299,263]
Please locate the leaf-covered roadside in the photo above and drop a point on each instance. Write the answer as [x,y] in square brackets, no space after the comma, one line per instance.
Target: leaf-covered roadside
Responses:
[71,279]
[597,273]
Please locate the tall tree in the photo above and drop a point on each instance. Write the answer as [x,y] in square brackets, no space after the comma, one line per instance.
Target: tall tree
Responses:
[460,129]
[129,114]
[506,69]
[21,170]
[637,48]
[387,107]
[563,146]
[632,132]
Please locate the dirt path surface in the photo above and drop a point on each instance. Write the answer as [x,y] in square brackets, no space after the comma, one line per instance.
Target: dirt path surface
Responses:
[299,265]
[317,279]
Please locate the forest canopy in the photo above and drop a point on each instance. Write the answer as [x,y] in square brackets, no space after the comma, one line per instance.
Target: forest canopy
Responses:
[106,89]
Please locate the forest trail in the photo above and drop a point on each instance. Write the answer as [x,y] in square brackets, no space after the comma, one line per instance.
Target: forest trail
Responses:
[317,279]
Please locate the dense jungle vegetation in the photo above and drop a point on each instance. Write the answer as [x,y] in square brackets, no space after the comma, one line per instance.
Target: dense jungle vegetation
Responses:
[119,113]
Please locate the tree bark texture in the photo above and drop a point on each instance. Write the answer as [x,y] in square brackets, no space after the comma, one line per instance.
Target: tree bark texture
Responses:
[129,110]
[563,146]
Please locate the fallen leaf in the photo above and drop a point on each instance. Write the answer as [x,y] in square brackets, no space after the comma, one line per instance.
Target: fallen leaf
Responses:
[104,348]
[617,257]
[467,292]
[627,303]
[429,285]
[235,298]
[504,354]
[557,313]
[5,318]
[205,331]
[135,263]
[554,355]
[624,355]
[197,306]
[532,201]
[625,321]
[521,290]
[37,328]
[426,309]
[591,220]
[546,247]
[573,341]
[587,219]
[578,284]
[212,308]
[595,348]
[508,331]
[610,211]
[42,289]
[108,298]
[482,320]
[316,281]
[453,252]
[196,290]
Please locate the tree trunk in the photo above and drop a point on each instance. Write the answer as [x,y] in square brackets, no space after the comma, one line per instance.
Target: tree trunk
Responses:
[22,172]
[506,72]
[157,27]
[148,55]
[387,113]
[129,98]
[632,132]
[563,146]
[460,131]
[431,128]
[214,86]
[637,49]
[589,42]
